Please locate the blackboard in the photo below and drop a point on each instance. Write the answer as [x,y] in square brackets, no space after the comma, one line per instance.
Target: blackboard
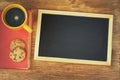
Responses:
[74,37]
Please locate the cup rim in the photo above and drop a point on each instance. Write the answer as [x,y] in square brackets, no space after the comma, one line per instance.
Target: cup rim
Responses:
[10,6]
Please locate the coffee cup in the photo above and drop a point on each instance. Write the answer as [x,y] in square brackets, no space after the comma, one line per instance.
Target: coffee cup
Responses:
[14,16]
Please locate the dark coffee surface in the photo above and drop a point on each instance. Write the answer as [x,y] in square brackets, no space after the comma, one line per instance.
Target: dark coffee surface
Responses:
[15,17]
[74,37]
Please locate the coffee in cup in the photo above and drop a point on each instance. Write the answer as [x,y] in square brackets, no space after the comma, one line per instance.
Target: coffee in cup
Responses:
[14,16]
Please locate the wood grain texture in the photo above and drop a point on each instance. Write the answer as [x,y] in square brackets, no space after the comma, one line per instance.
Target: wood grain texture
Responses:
[43,70]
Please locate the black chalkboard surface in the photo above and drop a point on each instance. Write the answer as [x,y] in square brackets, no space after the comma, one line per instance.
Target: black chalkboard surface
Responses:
[71,38]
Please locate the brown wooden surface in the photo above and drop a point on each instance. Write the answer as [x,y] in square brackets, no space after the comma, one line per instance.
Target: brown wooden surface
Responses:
[41,70]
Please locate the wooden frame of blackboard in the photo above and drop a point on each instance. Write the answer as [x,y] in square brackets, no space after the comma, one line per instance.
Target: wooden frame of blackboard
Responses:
[67,13]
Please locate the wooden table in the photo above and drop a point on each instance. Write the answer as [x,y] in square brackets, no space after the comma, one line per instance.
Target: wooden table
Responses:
[42,70]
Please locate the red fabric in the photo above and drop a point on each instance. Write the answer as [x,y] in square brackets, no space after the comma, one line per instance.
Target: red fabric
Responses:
[6,36]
